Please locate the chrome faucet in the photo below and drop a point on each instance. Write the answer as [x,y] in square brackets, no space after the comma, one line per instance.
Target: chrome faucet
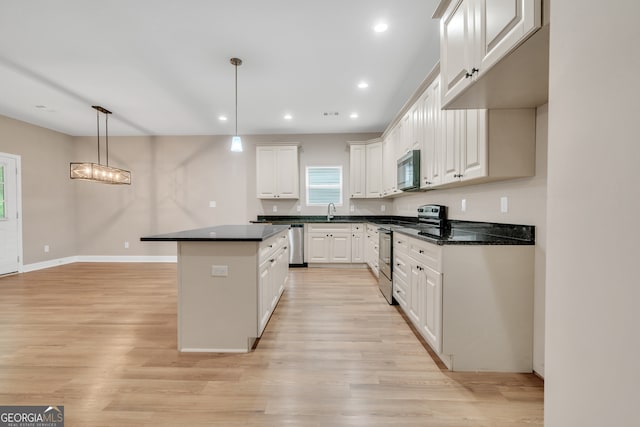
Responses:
[329,214]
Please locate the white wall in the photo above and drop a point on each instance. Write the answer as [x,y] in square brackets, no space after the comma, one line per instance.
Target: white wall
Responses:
[593,290]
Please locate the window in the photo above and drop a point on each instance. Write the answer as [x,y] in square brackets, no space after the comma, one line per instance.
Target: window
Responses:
[2,192]
[324,185]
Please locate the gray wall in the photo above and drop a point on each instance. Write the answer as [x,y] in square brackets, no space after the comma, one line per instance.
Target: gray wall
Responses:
[48,196]
[593,289]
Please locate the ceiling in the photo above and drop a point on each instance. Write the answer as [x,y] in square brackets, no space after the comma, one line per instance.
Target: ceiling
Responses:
[162,67]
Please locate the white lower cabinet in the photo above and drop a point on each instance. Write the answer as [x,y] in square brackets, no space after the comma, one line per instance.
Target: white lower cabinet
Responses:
[357,243]
[328,243]
[272,275]
[473,304]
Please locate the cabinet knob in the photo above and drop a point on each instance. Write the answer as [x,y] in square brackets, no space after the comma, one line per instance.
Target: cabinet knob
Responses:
[272,260]
[474,70]
[468,75]
[421,251]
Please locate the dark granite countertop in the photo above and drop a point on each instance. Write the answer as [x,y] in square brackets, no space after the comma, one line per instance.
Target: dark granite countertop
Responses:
[456,233]
[345,219]
[475,233]
[221,233]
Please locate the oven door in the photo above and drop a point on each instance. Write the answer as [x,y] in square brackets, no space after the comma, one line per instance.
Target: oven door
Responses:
[385,264]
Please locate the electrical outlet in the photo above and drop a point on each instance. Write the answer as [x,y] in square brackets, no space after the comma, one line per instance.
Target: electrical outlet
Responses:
[126,245]
[352,208]
[212,204]
[219,270]
[463,205]
[46,248]
[275,208]
[383,208]
[504,204]
[298,208]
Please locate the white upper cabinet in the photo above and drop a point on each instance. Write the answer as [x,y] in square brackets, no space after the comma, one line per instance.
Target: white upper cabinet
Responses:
[374,170]
[431,150]
[365,169]
[457,48]
[487,145]
[501,25]
[357,171]
[389,166]
[477,35]
[277,172]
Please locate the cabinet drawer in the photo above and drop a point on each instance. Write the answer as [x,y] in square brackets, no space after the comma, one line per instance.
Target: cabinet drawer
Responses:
[426,253]
[372,229]
[400,292]
[400,243]
[328,228]
[270,246]
[357,228]
[401,268]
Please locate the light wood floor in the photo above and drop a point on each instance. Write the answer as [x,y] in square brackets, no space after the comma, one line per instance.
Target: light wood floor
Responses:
[100,339]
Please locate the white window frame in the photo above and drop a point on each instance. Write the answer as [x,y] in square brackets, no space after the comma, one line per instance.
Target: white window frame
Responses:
[307,187]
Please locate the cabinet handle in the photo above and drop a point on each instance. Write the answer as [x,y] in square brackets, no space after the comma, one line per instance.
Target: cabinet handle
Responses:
[272,260]
[398,264]
[421,251]
[270,246]
[468,75]
[285,247]
[474,70]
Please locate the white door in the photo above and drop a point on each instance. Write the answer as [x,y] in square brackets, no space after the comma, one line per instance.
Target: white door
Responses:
[8,215]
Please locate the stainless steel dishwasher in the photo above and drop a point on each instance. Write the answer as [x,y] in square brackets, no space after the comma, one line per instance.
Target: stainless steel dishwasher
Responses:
[296,244]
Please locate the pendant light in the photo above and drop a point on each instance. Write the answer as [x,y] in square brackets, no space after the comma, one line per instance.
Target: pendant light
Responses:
[97,172]
[236,141]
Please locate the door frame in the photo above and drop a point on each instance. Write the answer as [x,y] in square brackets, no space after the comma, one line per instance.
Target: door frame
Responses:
[18,160]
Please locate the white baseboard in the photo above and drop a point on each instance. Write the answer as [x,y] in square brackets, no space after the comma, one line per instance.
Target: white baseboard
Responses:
[48,264]
[95,258]
[132,258]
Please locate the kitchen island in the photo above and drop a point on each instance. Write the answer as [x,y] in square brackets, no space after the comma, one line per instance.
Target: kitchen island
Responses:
[230,279]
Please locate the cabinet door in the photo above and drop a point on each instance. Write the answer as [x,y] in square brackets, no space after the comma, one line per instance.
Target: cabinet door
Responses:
[473,150]
[431,310]
[451,144]
[456,47]
[413,294]
[390,165]
[357,247]
[340,247]
[318,246]
[501,25]
[374,170]
[266,172]
[428,151]
[357,171]
[264,295]
[287,173]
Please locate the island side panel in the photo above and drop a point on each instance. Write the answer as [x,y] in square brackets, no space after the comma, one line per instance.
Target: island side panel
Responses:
[217,314]
[487,295]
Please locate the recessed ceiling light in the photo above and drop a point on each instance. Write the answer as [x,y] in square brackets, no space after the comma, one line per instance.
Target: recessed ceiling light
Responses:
[222,118]
[288,117]
[354,115]
[42,107]
[380,27]
[363,85]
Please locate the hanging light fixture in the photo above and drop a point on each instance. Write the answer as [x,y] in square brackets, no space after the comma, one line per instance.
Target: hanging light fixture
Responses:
[97,172]
[236,141]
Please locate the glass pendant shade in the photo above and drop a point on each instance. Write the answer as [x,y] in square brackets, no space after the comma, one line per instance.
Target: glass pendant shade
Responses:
[100,173]
[236,144]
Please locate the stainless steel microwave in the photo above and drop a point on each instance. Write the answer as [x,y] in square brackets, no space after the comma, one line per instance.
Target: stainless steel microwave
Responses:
[409,171]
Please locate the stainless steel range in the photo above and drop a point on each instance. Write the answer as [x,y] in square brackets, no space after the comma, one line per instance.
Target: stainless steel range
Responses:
[432,220]
[385,263]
